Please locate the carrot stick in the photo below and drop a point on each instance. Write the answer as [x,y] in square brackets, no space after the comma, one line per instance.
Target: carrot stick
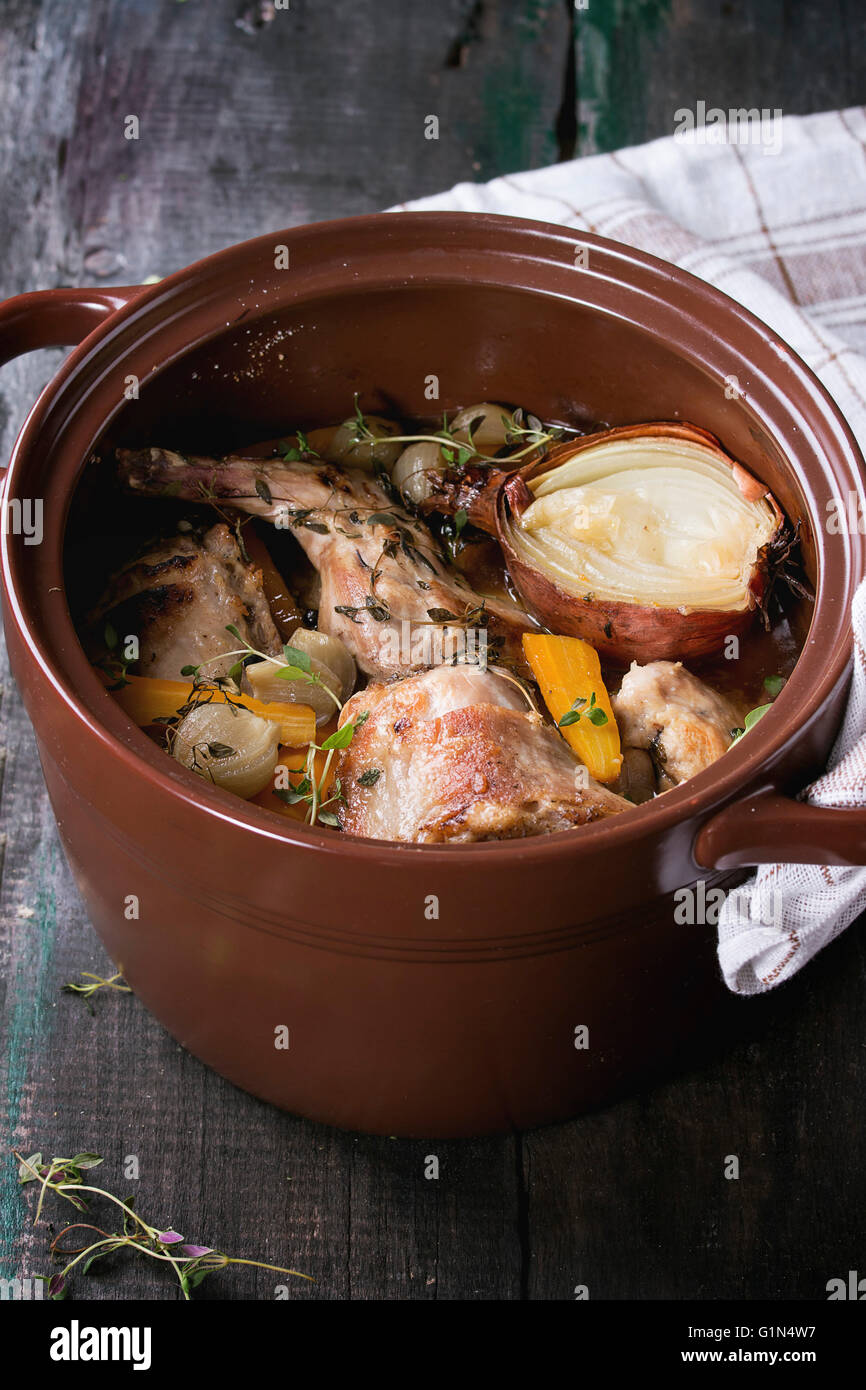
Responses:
[568,673]
[147,699]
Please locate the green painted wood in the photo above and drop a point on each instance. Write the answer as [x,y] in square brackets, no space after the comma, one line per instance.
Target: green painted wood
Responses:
[639,61]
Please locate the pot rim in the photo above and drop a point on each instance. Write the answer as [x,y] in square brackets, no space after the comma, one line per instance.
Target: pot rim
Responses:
[488,236]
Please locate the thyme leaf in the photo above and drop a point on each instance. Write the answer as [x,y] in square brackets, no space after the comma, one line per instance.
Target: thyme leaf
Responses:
[752,718]
[296,657]
[220,750]
[593,712]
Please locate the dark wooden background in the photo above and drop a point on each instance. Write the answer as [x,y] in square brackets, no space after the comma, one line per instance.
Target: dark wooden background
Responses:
[251,123]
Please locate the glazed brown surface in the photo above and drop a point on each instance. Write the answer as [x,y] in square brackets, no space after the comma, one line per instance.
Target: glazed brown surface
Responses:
[404,1010]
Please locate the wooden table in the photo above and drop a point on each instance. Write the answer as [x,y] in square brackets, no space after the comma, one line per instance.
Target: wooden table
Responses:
[251,118]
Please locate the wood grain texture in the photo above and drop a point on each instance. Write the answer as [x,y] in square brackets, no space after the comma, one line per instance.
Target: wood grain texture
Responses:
[634,1202]
[639,61]
[252,126]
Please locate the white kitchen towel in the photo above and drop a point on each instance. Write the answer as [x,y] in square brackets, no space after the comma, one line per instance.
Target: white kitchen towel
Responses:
[773,212]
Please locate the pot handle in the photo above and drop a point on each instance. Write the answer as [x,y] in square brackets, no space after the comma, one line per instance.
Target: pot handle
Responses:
[57,318]
[768,828]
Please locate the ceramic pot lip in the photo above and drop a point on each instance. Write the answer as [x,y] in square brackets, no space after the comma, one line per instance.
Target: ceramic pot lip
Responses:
[394,249]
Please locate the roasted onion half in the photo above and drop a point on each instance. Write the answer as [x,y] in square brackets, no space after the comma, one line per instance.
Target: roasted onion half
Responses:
[648,541]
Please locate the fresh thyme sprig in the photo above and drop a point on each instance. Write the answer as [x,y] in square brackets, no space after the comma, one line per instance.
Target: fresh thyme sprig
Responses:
[203,691]
[114,666]
[773,686]
[455,451]
[86,992]
[64,1176]
[295,664]
[593,712]
[300,452]
[235,522]
[533,431]
[401,541]
[311,789]
[474,615]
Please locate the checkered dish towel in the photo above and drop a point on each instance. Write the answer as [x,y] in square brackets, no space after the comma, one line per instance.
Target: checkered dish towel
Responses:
[777,219]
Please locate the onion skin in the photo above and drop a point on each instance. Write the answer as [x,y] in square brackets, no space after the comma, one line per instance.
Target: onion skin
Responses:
[624,632]
[249,765]
[621,631]
[491,433]
[331,653]
[345,449]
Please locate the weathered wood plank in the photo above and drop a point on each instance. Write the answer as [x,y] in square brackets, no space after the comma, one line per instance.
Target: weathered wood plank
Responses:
[634,1203]
[323,112]
[639,61]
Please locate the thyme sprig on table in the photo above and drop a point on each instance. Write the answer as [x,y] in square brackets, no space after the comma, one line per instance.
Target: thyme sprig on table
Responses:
[86,992]
[66,1178]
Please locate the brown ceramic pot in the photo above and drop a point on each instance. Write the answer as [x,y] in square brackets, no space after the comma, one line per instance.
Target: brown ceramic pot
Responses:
[400,1022]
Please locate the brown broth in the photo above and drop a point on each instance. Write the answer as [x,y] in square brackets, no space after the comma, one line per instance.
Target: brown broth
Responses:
[762,654]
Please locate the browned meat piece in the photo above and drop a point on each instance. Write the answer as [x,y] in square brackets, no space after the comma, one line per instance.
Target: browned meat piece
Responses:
[460,757]
[684,724]
[379,566]
[637,778]
[178,598]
